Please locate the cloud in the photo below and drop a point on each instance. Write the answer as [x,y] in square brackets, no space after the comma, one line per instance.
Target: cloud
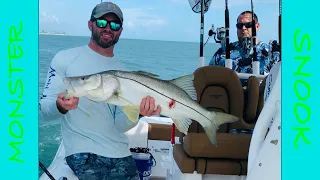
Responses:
[44,18]
[141,17]
[46,11]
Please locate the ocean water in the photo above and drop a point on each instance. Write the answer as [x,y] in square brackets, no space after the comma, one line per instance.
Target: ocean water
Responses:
[167,59]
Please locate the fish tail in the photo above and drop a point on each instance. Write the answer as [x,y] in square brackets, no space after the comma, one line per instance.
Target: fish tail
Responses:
[216,120]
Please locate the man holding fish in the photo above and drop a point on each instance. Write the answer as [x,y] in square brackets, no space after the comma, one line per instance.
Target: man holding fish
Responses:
[103,101]
[93,133]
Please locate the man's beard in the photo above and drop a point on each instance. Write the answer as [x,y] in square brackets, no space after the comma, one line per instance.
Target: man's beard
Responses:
[96,37]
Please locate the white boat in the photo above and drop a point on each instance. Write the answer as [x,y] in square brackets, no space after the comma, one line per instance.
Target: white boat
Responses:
[184,161]
[237,156]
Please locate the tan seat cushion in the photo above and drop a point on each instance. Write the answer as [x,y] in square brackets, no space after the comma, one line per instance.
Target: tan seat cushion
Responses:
[188,164]
[185,163]
[161,132]
[234,146]
[251,100]
[241,124]
[222,166]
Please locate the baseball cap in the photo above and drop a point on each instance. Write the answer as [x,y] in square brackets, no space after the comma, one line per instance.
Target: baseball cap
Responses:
[104,8]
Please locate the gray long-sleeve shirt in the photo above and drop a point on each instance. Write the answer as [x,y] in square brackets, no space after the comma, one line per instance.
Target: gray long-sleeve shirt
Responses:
[91,127]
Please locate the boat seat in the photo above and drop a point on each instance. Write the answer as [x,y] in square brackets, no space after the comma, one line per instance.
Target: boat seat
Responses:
[207,166]
[219,89]
[161,132]
[251,100]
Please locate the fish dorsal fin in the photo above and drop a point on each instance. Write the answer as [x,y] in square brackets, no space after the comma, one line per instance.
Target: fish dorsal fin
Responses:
[147,74]
[186,83]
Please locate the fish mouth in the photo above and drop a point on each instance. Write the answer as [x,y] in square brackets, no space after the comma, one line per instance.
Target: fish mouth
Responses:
[69,88]
[67,83]
[71,83]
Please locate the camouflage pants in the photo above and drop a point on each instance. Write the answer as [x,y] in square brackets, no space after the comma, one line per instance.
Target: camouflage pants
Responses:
[87,166]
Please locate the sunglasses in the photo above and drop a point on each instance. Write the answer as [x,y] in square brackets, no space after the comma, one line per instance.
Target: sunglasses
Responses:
[246,24]
[114,25]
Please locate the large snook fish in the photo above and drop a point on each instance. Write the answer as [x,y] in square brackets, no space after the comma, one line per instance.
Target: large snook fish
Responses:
[176,97]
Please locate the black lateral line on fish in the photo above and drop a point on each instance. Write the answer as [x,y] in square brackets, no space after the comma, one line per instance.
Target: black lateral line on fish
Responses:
[161,94]
[125,99]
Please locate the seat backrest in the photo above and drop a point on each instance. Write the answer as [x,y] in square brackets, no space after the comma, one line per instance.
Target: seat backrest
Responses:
[219,89]
[251,99]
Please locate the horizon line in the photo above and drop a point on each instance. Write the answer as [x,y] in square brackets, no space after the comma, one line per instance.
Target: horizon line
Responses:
[129,38]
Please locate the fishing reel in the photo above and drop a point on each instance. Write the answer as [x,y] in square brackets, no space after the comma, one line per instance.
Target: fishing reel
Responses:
[274,47]
[247,46]
[219,35]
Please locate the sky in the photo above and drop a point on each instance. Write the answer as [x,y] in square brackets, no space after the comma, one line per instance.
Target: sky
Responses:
[168,20]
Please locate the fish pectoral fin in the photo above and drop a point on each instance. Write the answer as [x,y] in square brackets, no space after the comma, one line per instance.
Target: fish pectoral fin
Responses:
[186,84]
[182,125]
[147,73]
[132,112]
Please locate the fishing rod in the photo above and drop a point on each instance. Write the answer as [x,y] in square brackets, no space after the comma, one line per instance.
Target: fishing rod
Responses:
[274,45]
[279,21]
[200,6]
[227,26]
[46,171]
[223,37]
[210,33]
[255,62]
[225,42]
[201,63]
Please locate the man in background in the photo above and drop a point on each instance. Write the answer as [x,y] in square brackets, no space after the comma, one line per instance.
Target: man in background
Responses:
[240,53]
[94,139]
